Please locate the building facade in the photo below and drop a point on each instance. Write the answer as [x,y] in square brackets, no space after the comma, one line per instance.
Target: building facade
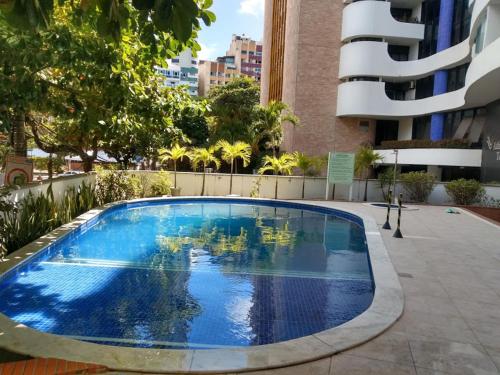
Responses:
[216,73]
[243,58]
[182,71]
[247,55]
[418,76]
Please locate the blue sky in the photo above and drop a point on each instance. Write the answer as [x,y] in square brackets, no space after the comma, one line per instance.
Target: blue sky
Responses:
[233,17]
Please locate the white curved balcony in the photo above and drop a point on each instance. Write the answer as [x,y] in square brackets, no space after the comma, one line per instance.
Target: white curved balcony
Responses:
[452,157]
[372,59]
[368,99]
[373,19]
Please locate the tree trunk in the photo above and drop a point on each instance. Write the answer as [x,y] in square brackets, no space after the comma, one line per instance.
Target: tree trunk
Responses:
[303,186]
[19,134]
[203,183]
[175,174]
[276,188]
[50,166]
[231,179]
[87,164]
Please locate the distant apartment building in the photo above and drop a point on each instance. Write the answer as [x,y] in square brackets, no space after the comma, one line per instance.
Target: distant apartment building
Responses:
[244,57]
[182,70]
[418,76]
[247,55]
[216,73]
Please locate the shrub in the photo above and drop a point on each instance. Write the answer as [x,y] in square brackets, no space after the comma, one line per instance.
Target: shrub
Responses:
[161,184]
[418,185]
[465,192]
[385,179]
[112,186]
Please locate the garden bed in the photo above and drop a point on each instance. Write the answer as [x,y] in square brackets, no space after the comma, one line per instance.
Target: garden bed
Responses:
[490,213]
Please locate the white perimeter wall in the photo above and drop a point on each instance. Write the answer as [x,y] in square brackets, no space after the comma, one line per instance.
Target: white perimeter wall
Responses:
[288,187]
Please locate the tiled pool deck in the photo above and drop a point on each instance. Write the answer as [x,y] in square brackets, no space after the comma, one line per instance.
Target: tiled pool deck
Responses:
[449,267]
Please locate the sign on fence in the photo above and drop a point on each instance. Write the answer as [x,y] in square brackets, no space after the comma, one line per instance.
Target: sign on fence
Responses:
[340,168]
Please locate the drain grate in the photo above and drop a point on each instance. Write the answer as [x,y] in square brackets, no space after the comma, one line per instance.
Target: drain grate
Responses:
[407,275]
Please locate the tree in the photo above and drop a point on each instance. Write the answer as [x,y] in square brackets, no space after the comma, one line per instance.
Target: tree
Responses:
[270,124]
[231,152]
[175,153]
[78,92]
[159,22]
[278,165]
[234,110]
[205,157]
[365,159]
[304,163]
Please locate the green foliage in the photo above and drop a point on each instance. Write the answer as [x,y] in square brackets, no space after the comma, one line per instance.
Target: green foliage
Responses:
[465,192]
[269,126]
[237,150]
[80,92]
[159,23]
[365,159]
[418,185]
[112,186]
[4,152]
[386,180]
[161,184]
[41,164]
[283,164]
[204,157]
[234,110]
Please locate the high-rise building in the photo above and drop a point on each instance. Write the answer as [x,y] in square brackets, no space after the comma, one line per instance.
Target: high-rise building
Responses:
[247,55]
[418,76]
[244,57]
[216,73]
[182,70]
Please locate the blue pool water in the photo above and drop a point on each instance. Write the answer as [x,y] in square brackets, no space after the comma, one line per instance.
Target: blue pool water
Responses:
[196,274]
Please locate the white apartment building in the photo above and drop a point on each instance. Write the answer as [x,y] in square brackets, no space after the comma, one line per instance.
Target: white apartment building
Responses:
[182,70]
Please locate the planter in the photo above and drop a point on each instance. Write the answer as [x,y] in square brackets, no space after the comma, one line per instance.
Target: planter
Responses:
[175,192]
[487,212]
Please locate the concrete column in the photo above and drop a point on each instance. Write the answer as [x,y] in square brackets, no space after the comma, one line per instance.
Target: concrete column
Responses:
[441,76]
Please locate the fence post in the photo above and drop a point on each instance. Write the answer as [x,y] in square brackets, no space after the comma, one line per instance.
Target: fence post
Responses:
[397,233]
[387,225]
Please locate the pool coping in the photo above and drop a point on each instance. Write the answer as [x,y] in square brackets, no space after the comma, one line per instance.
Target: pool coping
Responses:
[386,308]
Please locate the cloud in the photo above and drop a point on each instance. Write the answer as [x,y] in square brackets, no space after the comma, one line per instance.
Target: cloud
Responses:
[207,52]
[252,7]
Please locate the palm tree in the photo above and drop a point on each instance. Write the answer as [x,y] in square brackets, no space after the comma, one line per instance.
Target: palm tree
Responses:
[283,165]
[271,119]
[231,152]
[175,153]
[205,157]
[365,159]
[304,163]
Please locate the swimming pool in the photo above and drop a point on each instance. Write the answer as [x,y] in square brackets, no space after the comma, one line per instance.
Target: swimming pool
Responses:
[196,274]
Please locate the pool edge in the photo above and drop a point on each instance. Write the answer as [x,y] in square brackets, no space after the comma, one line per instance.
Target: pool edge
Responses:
[386,308]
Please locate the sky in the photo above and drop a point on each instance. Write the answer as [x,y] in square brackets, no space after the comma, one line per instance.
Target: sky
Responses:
[233,17]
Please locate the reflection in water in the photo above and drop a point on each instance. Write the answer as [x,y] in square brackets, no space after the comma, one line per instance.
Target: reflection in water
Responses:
[196,275]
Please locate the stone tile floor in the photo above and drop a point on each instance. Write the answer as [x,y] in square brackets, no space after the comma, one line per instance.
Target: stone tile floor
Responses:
[449,267]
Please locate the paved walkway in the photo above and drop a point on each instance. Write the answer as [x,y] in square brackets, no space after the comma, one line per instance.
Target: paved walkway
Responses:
[449,267]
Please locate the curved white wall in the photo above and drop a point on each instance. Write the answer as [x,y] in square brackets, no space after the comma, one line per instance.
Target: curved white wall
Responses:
[370,18]
[368,99]
[372,59]
[433,156]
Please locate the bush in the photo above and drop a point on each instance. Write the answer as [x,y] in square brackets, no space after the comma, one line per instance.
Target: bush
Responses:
[161,184]
[418,185]
[465,192]
[386,179]
[112,186]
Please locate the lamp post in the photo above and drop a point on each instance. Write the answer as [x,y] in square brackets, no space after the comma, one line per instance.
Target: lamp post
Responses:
[395,152]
